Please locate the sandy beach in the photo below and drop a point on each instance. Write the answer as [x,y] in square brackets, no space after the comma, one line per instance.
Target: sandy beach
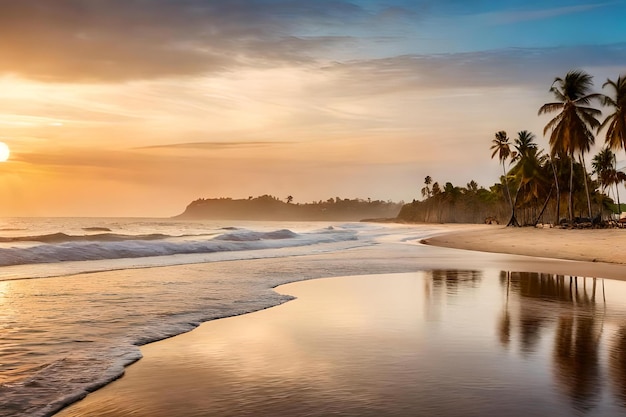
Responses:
[596,245]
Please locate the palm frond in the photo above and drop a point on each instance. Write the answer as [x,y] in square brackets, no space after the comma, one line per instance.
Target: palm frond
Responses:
[588,118]
[589,111]
[609,119]
[552,123]
[550,108]
[610,83]
[608,101]
[586,99]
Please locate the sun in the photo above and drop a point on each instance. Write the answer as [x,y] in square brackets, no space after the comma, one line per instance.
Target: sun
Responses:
[4,152]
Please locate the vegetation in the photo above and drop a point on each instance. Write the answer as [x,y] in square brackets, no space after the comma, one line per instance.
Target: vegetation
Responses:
[267,207]
[534,182]
[450,204]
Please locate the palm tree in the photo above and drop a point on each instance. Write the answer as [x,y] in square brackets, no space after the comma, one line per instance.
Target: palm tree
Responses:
[436,190]
[572,129]
[616,122]
[553,162]
[426,192]
[524,144]
[616,179]
[602,165]
[502,148]
[528,171]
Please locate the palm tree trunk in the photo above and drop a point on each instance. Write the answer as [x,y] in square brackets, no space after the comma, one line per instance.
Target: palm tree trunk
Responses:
[602,196]
[506,186]
[619,205]
[570,203]
[513,221]
[558,193]
[582,162]
[545,204]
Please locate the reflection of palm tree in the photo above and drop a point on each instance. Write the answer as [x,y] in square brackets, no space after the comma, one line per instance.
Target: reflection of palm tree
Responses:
[452,280]
[504,328]
[445,283]
[618,364]
[577,337]
[572,127]
[576,358]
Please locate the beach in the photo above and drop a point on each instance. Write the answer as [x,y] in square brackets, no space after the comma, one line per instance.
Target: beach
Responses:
[591,245]
[356,345]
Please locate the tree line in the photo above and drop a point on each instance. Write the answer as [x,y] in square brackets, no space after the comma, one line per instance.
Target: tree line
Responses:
[268,207]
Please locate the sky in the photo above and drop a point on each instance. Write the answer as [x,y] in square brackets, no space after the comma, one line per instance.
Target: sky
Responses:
[138,107]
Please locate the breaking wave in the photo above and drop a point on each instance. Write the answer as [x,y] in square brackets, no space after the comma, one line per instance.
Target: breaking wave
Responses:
[61,247]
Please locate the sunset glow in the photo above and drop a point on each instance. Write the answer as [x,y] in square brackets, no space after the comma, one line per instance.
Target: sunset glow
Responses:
[4,152]
[135,111]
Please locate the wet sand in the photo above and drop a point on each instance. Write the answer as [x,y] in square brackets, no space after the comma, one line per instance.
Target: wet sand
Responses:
[443,344]
[594,245]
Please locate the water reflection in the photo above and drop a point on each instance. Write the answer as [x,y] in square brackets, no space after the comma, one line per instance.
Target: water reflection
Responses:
[553,287]
[440,284]
[617,360]
[576,358]
[454,280]
[442,343]
[567,308]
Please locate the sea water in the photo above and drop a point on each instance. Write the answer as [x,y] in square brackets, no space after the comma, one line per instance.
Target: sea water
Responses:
[78,296]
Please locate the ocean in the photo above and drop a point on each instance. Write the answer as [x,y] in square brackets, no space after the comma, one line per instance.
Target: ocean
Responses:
[79,295]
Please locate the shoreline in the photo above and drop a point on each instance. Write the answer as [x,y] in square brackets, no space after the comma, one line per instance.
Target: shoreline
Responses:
[595,245]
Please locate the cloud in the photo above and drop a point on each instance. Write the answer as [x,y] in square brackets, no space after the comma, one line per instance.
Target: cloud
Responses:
[508,17]
[534,8]
[121,40]
[85,40]
[511,67]
[213,145]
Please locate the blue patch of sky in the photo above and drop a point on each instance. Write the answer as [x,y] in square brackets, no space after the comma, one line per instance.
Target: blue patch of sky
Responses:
[402,27]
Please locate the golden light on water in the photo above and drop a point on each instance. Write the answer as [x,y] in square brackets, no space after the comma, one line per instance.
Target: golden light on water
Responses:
[4,152]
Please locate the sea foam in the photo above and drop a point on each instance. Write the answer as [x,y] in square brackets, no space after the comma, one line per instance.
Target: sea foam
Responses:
[61,247]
